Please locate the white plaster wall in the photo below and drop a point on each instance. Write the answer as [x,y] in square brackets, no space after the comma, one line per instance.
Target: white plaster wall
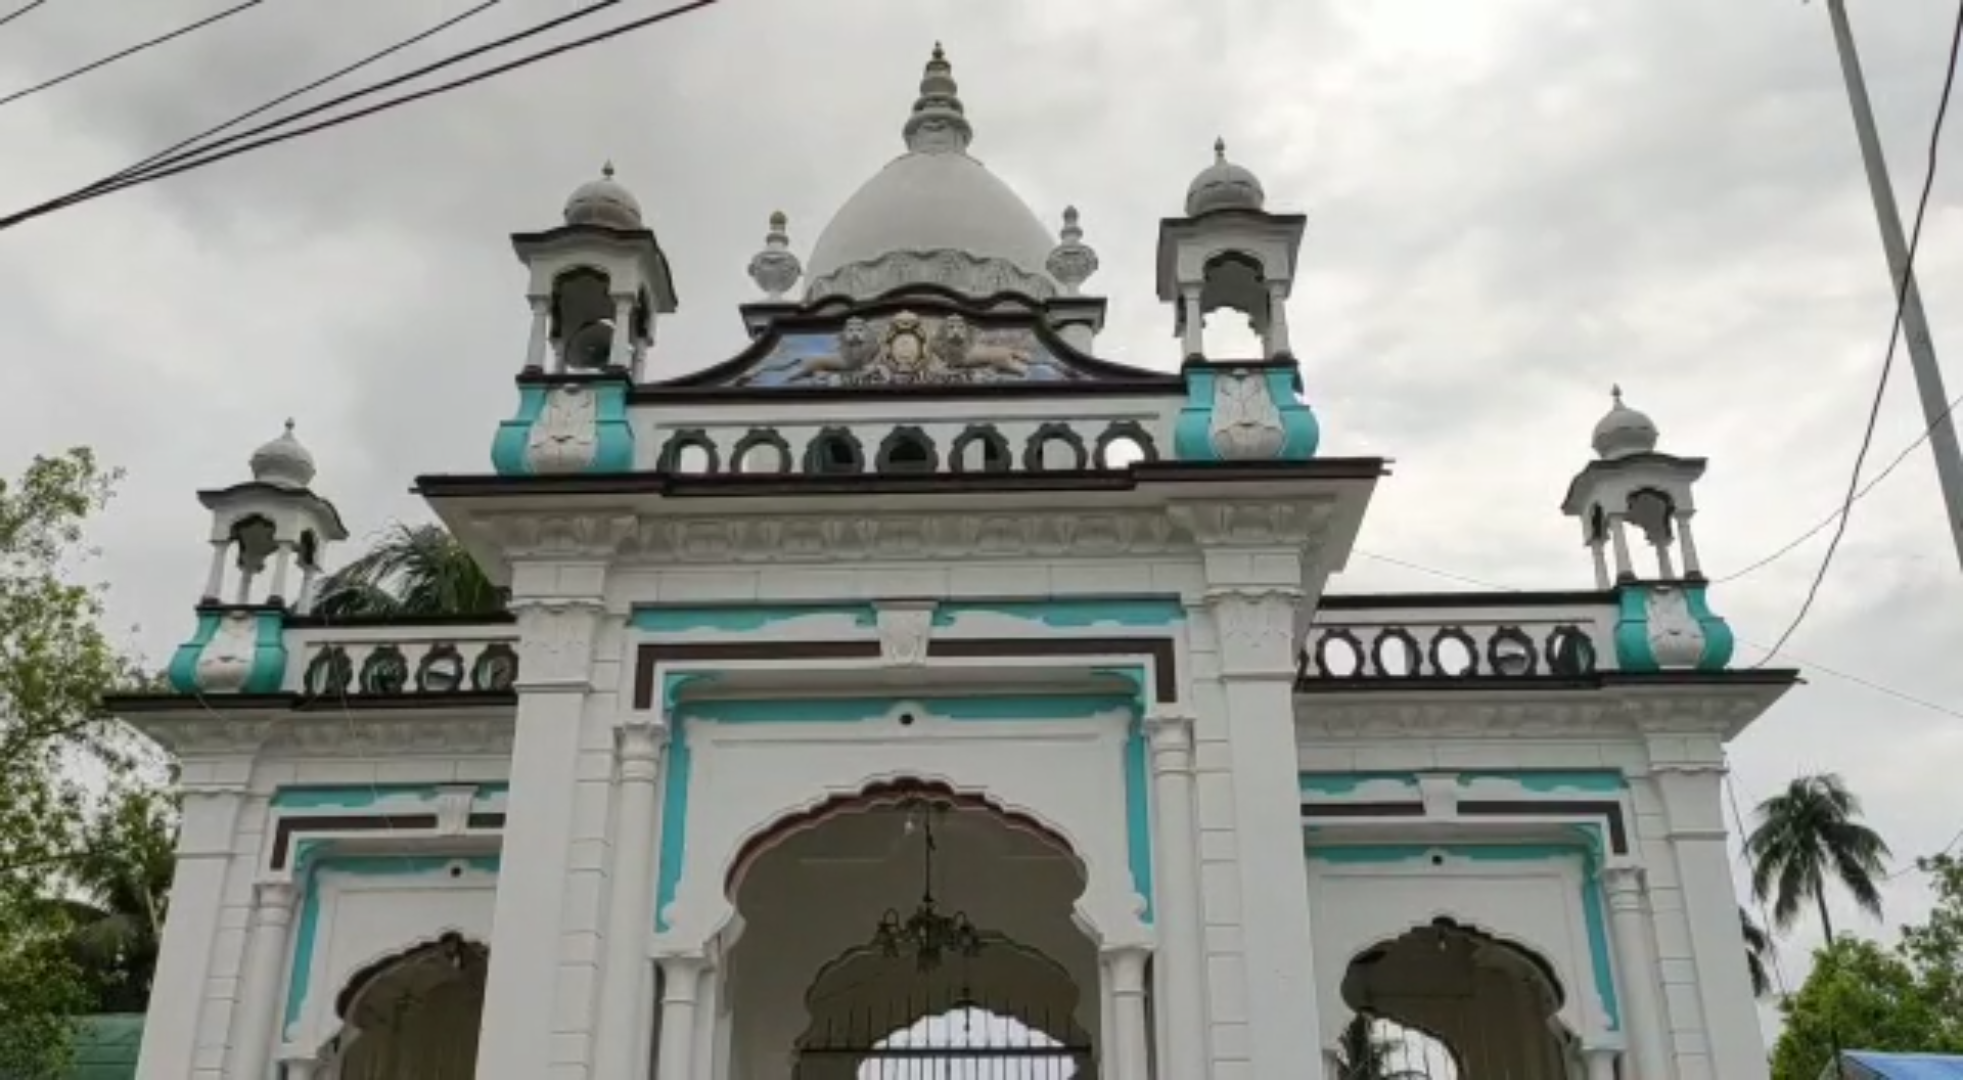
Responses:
[779,576]
[1067,774]
[1536,905]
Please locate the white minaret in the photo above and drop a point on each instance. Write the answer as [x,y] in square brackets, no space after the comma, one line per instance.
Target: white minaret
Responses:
[597,284]
[1229,252]
[1630,487]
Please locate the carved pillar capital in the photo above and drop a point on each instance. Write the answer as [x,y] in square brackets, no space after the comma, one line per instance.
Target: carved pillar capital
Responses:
[639,741]
[274,899]
[1256,628]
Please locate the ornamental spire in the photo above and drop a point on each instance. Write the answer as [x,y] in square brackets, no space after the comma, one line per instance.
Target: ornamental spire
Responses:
[938,124]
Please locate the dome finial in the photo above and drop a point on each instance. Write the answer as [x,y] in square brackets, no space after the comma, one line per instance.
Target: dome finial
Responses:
[938,124]
[775,269]
[1072,261]
[1624,432]
[283,462]
[606,170]
[1224,185]
[1615,393]
[1219,150]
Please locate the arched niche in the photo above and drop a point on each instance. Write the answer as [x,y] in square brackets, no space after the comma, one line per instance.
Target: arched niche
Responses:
[1234,281]
[812,981]
[1494,1005]
[413,1015]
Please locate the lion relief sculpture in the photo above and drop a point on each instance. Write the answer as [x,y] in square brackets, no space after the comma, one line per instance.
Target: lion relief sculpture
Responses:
[905,347]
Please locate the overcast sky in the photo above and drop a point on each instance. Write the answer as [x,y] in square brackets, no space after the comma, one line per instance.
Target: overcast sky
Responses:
[1512,205]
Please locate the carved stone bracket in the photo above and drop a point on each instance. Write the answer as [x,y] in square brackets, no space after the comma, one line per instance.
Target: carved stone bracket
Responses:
[639,740]
[453,803]
[557,536]
[555,641]
[1257,631]
[904,629]
[380,734]
[209,734]
[1546,716]
[1297,523]
[1171,735]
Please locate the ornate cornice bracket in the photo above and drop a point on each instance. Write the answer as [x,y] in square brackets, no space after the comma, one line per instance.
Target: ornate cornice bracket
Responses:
[520,536]
[1297,523]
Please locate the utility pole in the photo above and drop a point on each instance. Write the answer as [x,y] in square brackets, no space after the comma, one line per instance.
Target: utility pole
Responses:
[1901,278]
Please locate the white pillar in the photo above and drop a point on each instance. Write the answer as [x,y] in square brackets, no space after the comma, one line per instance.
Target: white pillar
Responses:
[1693,566]
[1693,808]
[1664,567]
[1125,967]
[1255,626]
[680,976]
[1277,320]
[1620,539]
[1195,337]
[1635,963]
[282,561]
[554,680]
[259,996]
[1601,1065]
[205,836]
[243,595]
[1597,549]
[1181,964]
[541,327]
[214,581]
[630,912]
[621,353]
[299,1068]
[304,603]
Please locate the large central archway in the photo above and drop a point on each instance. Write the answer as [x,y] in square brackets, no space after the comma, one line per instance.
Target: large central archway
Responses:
[414,1016]
[910,931]
[1490,1005]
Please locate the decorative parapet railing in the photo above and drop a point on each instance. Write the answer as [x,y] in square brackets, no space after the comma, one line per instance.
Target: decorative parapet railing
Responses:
[1412,639]
[394,659]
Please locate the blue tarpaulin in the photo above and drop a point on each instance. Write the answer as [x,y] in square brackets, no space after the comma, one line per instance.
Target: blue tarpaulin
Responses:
[1871,1065]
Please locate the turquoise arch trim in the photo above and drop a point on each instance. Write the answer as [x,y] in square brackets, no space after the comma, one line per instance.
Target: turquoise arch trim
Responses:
[308,931]
[1632,648]
[1538,781]
[360,796]
[962,708]
[268,669]
[1192,436]
[1592,908]
[613,451]
[1061,613]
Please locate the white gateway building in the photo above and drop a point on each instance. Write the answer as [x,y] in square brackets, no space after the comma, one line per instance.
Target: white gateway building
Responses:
[918,694]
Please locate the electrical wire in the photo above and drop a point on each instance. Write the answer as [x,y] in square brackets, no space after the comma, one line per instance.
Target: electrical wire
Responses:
[131,51]
[243,142]
[350,69]
[19,11]
[1765,916]
[1894,338]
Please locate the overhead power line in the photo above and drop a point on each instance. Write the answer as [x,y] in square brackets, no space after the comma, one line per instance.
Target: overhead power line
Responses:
[131,51]
[1902,285]
[244,142]
[19,11]
[256,110]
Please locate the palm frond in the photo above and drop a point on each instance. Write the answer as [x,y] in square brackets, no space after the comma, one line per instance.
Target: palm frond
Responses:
[414,570]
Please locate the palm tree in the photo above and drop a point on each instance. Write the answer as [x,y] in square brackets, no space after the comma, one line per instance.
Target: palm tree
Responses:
[1363,1054]
[1807,834]
[414,571]
[1758,949]
[121,888]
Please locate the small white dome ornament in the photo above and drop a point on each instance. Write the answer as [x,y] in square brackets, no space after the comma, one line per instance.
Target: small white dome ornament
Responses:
[939,123]
[283,462]
[1072,261]
[1623,432]
[1224,185]
[775,269]
[604,202]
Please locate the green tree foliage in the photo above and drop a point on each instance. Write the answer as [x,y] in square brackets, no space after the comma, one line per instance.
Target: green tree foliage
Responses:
[121,882]
[415,570]
[1903,999]
[56,746]
[1758,950]
[1806,836]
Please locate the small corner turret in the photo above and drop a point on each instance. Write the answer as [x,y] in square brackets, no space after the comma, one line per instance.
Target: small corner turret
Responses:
[264,532]
[1664,620]
[598,283]
[1230,252]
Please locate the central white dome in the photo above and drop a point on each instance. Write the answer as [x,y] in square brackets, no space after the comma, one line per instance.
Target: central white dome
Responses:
[934,215]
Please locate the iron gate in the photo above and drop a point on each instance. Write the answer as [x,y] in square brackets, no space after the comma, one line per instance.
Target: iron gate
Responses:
[958,1038]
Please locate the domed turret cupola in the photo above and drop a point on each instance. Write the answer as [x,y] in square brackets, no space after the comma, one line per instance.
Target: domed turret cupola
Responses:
[1229,252]
[263,531]
[1665,621]
[604,203]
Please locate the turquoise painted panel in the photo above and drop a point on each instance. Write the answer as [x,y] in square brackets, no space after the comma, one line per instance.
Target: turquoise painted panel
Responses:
[674,822]
[183,670]
[1548,781]
[1338,784]
[508,446]
[740,618]
[1591,893]
[355,796]
[1718,639]
[614,449]
[1632,651]
[268,654]
[358,865]
[1192,431]
[1072,614]
[1301,433]
[1192,437]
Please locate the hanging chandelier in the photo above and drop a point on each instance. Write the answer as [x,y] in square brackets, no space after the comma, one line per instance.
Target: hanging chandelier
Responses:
[929,935]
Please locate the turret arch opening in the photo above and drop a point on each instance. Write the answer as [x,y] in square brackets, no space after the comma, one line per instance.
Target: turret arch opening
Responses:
[1491,1005]
[415,1015]
[1234,298]
[909,930]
